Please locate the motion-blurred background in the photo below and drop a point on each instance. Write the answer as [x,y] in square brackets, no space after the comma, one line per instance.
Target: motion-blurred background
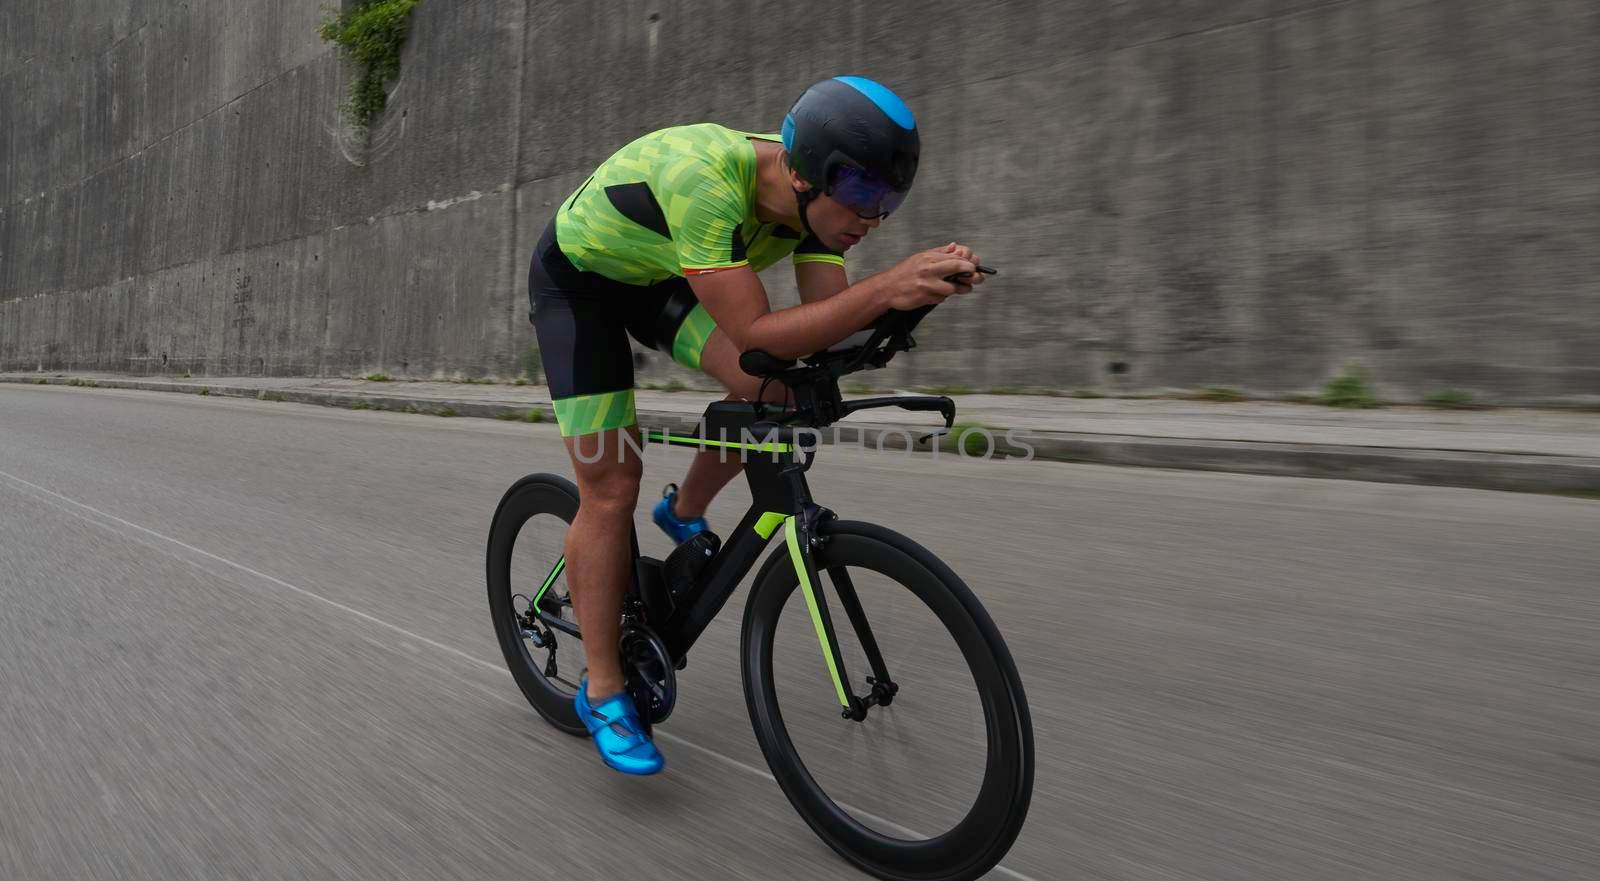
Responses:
[1260,194]
[242,637]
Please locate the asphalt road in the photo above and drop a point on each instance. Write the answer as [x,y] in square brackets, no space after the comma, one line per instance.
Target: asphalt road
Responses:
[241,639]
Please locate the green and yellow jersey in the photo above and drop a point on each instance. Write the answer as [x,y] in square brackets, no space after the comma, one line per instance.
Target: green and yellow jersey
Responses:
[677,202]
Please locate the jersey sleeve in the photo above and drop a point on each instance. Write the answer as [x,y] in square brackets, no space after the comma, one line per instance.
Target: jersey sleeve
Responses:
[812,250]
[707,211]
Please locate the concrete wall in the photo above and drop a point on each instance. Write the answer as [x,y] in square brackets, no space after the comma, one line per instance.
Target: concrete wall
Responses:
[1255,193]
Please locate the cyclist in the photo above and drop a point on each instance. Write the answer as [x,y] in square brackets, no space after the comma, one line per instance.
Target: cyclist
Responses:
[663,243]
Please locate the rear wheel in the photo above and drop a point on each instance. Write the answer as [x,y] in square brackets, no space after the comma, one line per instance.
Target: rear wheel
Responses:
[935,781]
[526,566]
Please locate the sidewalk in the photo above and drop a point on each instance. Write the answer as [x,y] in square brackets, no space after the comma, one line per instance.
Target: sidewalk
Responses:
[1521,450]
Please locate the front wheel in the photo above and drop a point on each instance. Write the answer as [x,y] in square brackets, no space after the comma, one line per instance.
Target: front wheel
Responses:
[934,782]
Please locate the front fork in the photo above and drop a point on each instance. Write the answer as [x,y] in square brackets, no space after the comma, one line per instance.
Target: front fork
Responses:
[803,537]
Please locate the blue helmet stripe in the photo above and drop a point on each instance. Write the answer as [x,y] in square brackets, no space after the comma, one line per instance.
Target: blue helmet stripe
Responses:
[788,132]
[880,95]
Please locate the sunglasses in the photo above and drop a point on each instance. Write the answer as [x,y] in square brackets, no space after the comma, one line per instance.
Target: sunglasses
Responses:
[868,196]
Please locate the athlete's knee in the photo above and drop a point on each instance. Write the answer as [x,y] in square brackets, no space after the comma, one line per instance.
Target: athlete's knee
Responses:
[611,485]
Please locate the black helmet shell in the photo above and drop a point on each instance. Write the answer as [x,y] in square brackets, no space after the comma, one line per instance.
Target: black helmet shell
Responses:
[851,120]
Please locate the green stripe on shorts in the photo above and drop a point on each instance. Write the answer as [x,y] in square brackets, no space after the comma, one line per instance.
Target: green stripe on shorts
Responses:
[691,338]
[587,414]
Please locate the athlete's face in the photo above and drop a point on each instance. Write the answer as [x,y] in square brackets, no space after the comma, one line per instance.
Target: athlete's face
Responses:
[837,226]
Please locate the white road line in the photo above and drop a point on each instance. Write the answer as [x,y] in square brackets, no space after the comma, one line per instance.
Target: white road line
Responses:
[243,568]
[499,668]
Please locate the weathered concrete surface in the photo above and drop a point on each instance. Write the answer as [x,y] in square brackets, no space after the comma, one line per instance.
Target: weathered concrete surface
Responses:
[182,195]
[1256,193]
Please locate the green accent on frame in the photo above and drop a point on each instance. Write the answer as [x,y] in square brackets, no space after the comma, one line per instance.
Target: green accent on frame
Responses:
[561,564]
[662,437]
[792,538]
[769,523]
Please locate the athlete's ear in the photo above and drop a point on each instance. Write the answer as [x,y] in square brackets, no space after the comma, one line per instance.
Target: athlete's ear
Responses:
[799,183]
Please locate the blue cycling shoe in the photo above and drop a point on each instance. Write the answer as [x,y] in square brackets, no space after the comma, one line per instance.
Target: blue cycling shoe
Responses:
[617,732]
[679,531]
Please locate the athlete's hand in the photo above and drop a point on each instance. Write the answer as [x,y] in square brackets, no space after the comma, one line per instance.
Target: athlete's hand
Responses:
[971,278]
[919,279]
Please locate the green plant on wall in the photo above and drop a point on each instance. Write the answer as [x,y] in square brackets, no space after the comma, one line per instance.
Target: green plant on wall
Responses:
[372,32]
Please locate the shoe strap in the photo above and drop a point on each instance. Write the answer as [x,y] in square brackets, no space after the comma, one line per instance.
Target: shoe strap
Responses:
[619,710]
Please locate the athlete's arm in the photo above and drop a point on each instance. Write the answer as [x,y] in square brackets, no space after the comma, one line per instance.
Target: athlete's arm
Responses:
[738,303]
[818,270]
[819,281]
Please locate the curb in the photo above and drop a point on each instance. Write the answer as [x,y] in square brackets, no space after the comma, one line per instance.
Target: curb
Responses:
[1509,472]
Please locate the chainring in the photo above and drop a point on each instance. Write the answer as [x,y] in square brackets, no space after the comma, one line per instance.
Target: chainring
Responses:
[649,674]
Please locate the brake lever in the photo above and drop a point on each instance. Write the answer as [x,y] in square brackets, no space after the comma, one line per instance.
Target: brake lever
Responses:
[937,432]
[947,409]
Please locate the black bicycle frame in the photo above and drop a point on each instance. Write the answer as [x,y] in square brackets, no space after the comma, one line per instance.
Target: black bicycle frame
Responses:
[775,467]
[778,491]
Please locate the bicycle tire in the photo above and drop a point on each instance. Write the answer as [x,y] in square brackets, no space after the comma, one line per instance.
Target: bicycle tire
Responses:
[977,842]
[529,497]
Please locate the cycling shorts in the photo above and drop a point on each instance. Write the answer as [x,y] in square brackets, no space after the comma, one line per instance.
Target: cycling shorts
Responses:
[583,320]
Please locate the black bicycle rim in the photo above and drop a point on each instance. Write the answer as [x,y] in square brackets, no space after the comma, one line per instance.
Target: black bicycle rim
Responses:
[979,840]
[530,497]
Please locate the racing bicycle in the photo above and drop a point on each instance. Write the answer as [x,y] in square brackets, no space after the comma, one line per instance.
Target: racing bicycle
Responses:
[973,784]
